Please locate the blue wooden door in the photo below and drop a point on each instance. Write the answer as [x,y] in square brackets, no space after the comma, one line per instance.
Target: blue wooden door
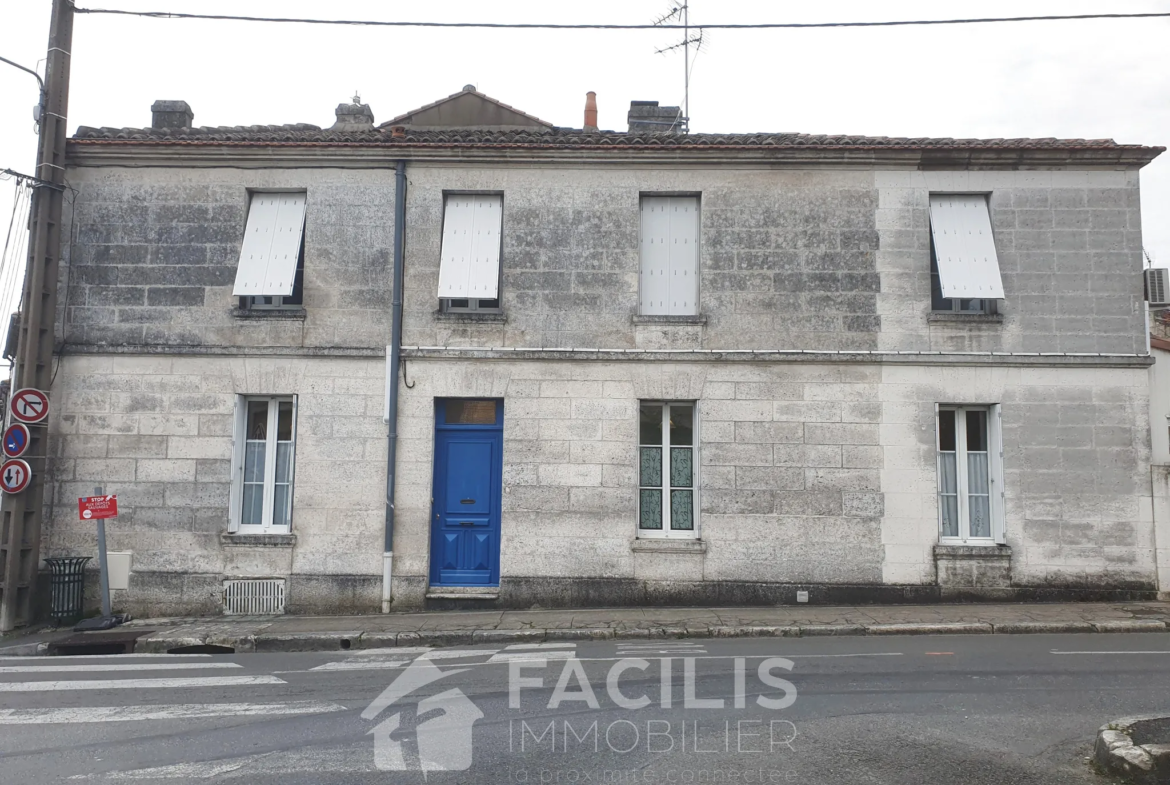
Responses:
[465,522]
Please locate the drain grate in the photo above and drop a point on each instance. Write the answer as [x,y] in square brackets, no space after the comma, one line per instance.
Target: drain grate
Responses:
[253,597]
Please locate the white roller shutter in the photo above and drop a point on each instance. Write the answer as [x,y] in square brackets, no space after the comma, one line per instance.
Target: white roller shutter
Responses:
[272,245]
[669,281]
[469,263]
[964,247]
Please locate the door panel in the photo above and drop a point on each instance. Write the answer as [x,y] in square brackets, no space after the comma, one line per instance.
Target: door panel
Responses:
[465,541]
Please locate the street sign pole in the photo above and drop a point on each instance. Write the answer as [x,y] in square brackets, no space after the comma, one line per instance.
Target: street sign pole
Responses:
[107,611]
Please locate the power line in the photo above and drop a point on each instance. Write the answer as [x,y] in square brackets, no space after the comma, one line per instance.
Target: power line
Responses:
[535,26]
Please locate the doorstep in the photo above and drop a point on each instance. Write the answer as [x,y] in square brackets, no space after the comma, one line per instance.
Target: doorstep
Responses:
[463,593]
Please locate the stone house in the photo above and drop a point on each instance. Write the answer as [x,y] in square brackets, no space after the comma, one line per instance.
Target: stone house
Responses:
[636,367]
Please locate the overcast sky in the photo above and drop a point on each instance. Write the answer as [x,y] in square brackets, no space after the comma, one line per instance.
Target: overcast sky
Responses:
[1106,78]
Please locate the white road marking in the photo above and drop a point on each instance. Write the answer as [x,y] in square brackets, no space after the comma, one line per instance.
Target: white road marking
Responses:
[350,759]
[1109,652]
[181,711]
[145,666]
[137,684]
[454,654]
[532,656]
[355,665]
[124,657]
[390,651]
[540,646]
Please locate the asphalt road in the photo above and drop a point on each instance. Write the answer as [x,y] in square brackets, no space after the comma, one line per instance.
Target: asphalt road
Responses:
[948,709]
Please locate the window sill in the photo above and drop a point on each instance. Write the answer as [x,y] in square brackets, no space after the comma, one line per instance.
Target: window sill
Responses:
[664,319]
[964,318]
[668,545]
[290,314]
[258,540]
[983,551]
[471,317]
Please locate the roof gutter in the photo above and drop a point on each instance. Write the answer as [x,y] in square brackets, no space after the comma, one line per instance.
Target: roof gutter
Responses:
[393,353]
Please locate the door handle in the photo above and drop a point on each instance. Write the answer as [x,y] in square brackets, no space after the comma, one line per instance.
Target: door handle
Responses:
[467,501]
[466,523]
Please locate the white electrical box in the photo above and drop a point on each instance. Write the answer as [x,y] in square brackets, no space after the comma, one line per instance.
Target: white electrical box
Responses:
[118,563]
[802,596]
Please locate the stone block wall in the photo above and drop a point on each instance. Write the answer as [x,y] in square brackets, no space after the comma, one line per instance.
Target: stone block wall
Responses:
[1070,253]
[158,432]
[154,257]
[1076,455]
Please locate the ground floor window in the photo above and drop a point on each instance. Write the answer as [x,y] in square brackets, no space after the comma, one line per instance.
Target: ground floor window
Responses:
[667,470]
[262,488]
[970,484]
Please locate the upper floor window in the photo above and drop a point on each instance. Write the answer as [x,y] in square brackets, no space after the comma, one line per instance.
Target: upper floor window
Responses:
[272,258]
[668,282]
[964,268]
[469,262]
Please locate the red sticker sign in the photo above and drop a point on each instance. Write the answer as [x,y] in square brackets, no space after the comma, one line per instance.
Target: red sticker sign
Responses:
[91,508]
[15,475]
[29,405]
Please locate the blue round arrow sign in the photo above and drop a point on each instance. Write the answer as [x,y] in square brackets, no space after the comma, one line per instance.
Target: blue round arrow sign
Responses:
[16,440]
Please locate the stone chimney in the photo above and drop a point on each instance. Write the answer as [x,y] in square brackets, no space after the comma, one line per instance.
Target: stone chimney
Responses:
[590,111]
[355,116]
[171,114]
[647,117]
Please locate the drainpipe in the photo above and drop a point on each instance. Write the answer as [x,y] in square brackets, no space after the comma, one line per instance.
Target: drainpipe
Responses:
[392,362]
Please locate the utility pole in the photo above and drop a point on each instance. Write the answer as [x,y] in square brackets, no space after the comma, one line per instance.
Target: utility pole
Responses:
[20,516]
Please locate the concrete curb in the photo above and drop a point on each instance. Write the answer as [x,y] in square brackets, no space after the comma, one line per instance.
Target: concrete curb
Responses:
[342,640]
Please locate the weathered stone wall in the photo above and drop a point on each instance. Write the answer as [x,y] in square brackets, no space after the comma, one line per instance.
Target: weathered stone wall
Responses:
[157,431]
[1070,252]
[156,251]
[1076,451]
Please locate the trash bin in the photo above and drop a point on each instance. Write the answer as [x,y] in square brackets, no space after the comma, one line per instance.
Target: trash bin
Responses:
[68,586]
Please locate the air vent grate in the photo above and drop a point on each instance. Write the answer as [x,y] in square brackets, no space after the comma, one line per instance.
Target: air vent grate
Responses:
[253,597]
[1158,286]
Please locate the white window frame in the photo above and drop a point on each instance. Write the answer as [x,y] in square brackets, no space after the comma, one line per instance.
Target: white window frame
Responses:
[666,532]
[963,246]
[994,471]
[668,262]
[239,445]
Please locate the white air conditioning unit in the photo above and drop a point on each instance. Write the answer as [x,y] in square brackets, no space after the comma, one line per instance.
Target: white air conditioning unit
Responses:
[1158,286]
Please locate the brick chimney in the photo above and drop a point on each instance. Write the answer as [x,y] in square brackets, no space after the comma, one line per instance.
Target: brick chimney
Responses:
[647,117]
[354,116]
[590,111]
[171,114]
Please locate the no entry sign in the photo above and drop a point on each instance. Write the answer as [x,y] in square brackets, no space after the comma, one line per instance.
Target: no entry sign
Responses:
[29,405]
[14,475]
[15,440]
[93,507]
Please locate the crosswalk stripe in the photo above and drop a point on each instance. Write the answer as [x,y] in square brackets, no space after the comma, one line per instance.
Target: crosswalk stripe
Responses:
[390,651]
[532,656]
[71,657]
[454,654]
[138,684]
[360,665]
[144,666]
[541,646]
[181,711]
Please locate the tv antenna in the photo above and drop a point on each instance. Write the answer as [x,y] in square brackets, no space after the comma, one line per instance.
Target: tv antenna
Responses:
[681,12]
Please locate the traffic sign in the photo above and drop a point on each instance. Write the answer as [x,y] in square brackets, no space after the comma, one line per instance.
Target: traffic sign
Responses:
[29,405]
[95,507]
[14,475]
[15,440]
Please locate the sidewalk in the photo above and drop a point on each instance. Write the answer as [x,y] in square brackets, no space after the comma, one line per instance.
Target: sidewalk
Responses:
[446,628]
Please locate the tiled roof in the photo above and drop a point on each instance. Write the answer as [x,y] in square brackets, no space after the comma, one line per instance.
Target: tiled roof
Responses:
[402,117]
[302,134]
